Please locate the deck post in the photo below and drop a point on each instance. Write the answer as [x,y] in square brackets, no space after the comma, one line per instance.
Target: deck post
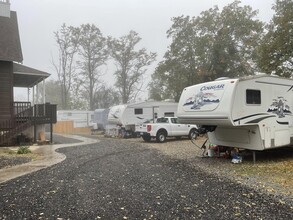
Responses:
[51,132]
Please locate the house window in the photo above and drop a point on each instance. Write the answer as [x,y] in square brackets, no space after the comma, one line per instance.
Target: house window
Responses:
[169,114]
[253,97]
[138,111]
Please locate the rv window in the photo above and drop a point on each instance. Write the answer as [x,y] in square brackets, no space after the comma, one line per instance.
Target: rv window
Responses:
[169,114]
[253,96]
[138,111]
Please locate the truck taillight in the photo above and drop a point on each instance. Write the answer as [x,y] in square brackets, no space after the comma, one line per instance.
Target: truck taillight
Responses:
[149,128]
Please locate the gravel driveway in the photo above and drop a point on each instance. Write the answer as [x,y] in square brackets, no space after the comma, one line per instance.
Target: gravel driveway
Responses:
[117,179]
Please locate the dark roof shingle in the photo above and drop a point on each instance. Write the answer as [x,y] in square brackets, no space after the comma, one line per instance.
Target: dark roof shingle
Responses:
[10,47]
[25,76]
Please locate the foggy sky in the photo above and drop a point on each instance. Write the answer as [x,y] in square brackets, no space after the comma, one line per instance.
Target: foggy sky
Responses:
[39,19]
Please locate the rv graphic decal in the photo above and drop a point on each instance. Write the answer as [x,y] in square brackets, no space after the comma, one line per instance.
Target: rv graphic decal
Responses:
[291,88]
[279,107]
[221,86]
[205,97]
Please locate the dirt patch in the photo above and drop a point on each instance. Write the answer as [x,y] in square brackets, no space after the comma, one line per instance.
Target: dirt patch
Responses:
[9,156]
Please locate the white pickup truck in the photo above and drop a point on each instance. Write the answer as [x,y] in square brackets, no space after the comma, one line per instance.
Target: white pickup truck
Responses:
[165,127]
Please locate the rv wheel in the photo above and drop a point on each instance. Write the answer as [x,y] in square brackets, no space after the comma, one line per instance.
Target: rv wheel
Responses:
[161,136]
[146,138]
[193,134]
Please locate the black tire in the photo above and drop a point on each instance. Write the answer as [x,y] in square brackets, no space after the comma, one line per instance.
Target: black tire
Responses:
[193,134]
[161,136]
[146,138]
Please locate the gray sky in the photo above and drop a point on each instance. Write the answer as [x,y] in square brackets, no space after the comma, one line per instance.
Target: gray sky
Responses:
[39,19]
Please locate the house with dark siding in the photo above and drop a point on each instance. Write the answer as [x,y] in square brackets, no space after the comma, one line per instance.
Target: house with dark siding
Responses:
[25,118]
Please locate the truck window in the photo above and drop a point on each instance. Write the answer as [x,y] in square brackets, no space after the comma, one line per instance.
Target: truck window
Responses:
[162,120]
[174,120]
[138,111]
[253,96]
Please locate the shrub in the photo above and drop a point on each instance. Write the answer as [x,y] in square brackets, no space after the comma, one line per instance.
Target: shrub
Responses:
[23,150]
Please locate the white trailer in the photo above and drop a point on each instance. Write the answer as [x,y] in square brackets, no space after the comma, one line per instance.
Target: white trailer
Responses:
[252,112]
[131,115]
[80,118]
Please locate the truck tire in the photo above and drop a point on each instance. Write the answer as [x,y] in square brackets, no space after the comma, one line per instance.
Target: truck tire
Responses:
[146,138]
[193,134]
[161,136]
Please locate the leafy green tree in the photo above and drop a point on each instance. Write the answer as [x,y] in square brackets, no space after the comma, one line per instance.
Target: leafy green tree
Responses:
[93,54]
[67,39]
[212,45]
[131,64]
[276,50]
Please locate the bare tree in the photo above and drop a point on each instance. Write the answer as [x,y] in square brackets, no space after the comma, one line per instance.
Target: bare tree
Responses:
[131,65]
[93,54]
[67,39]
[106,97]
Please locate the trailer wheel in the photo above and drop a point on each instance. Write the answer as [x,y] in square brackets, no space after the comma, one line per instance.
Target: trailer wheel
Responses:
[193,134]
[161,136]
[146,138]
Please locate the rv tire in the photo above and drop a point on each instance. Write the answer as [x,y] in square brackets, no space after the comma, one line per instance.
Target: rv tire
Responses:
[161,136]
[193,134]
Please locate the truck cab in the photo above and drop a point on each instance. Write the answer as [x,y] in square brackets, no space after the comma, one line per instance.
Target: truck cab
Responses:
[165,127]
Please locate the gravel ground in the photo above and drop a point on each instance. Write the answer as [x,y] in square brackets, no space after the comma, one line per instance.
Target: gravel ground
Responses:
[8,161]
[223,168]
[122,179]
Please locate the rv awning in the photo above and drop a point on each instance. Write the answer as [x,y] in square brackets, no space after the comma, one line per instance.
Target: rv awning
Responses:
[26,76]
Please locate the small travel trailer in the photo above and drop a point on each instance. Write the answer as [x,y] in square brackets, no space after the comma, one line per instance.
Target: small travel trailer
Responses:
[131,115]
[80,118]
[101,118]
[252,112]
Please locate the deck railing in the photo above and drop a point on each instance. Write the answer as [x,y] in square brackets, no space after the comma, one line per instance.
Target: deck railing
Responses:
[26,116]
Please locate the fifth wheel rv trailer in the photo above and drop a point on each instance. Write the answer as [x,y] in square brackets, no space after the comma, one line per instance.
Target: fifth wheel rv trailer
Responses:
[131,115]
[252,112]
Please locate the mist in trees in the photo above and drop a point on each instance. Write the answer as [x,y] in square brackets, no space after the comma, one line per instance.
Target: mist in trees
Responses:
[67,39]
[83,51]
[212,45]
[93,54]
[131,65]
[231,42]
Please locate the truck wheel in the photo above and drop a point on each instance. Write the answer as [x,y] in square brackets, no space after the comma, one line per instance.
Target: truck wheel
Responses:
[193,134]
[146,138]
[161,136]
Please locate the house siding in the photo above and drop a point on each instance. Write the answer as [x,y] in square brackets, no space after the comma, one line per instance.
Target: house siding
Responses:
[6,90]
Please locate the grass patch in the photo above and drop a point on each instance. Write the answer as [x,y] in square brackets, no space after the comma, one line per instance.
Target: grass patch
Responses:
[7,151]
[270,174]
[23,150]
